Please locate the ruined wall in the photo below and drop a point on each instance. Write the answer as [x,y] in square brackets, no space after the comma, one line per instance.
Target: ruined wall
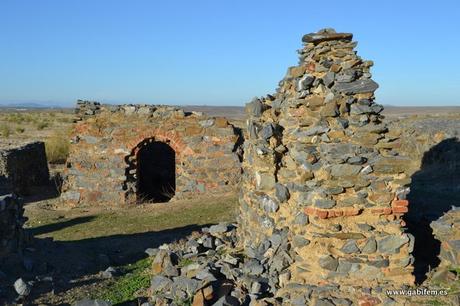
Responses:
[320,171]
[11,223]
[102,166]
[447,230]
[23,166]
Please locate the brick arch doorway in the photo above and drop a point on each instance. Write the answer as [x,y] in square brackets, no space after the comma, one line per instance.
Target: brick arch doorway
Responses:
[153,171]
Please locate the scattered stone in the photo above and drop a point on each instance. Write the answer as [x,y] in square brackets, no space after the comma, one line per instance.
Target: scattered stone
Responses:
[22,288]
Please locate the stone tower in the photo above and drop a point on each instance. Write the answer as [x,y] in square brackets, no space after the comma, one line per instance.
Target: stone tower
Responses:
[324,189]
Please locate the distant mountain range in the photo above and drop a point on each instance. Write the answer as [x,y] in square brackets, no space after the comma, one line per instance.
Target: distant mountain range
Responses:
[30,105]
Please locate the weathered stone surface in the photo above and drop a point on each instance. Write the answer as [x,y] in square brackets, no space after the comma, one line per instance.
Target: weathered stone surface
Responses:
[199,154]
[325,36]
[356,87]
[328,263]
[12,234]
[392,244]
[22,288]
[22,167]
[341,165]
[350,247]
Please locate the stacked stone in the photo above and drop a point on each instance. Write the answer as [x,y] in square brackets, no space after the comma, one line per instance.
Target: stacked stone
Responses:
[102,163]
[447,230]
[23,166]
[320,171]
[11,224]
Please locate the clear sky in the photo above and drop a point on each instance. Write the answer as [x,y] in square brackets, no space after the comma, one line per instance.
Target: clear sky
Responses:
[216,52]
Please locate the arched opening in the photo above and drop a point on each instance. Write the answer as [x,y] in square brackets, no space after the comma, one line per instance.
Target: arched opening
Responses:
[156,172]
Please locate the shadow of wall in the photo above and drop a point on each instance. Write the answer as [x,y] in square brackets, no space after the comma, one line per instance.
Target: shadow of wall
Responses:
[435,188]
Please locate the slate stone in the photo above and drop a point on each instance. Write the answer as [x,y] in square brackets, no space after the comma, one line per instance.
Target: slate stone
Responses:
[344,266]
[356,160]
[152,252]
[345,170]
[381,263]
[350,247]
[334,190]
[392,243]
[22,288]
[370,246]
[253,267]
[324,203]
[328,262]
[160,283]
[317,130]
[305,82]
[281,192]
[300,241]
[267,131]
[269,205]
[255,108]
[356,87]
[324,302]
[301,219]
[320,37]
[205,274]
[218,228]
[328,79]
[357,109]
[345,77]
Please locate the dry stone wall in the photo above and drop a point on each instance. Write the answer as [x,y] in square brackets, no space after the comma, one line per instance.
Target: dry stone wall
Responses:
[103,164]
[11,224]
[22,167]
[321,172]
[447,230]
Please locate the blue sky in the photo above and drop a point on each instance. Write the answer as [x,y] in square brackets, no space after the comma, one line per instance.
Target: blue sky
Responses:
[216,52]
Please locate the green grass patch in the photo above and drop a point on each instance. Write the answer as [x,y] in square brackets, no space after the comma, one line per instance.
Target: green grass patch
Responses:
[185,262]
[125,288]
[156,217]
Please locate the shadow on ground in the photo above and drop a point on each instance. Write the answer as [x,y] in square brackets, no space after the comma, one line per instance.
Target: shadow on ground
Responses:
[49,228]
[435,188]
[67,261]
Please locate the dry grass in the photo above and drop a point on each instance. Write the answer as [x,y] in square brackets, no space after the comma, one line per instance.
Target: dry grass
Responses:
[5,130]
[57,147]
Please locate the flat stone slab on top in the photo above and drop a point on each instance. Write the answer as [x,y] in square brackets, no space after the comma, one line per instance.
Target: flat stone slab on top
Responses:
[325,35]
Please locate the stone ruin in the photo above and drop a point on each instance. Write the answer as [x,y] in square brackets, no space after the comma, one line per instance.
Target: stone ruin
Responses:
[12,236]
[145,153]
[23,166]
[324,198]
[321,174]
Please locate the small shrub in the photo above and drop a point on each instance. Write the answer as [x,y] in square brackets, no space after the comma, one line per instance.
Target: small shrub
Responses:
[20,129]
[42,125]
[57,148]
[5,131]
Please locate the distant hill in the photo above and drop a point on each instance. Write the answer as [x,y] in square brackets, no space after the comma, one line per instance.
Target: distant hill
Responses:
[30,105]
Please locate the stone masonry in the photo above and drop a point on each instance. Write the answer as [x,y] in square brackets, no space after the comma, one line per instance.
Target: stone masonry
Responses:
[11,225]
[103,164]
[22,167]
[320,172]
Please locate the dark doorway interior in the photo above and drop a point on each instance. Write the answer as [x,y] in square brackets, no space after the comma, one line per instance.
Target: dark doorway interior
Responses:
[156,172]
